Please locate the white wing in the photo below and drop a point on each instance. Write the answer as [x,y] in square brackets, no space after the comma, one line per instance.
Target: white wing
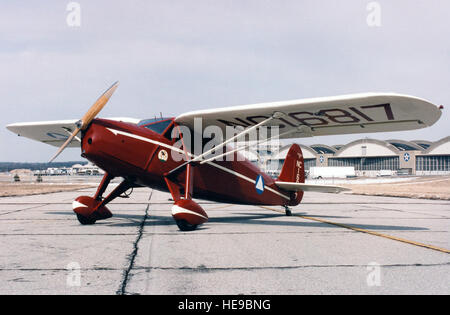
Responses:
[52,132]
[356,113]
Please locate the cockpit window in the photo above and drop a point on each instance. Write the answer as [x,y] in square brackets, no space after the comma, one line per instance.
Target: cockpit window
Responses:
[152,120]
[158,127]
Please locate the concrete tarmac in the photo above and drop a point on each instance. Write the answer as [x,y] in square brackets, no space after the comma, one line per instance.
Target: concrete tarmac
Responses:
[241,250]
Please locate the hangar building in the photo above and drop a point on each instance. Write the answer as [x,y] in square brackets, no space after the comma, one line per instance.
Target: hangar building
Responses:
[370,156]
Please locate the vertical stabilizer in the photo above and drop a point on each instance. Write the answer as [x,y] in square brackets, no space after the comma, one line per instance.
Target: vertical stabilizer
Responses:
[293,171]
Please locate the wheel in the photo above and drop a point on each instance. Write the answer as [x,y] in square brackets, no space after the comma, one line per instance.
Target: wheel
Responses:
[85,221]
[183,225]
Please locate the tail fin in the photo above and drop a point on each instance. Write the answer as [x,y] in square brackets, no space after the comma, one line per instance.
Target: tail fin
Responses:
[293,171]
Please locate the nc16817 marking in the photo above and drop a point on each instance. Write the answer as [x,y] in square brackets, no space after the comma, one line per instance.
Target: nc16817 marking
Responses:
[321,118]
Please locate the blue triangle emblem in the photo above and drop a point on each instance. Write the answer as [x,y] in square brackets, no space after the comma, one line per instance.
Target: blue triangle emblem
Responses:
[259,184]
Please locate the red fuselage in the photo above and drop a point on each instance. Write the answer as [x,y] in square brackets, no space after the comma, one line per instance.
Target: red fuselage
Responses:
[133,152]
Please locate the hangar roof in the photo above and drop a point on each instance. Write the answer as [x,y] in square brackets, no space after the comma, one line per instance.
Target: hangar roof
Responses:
[323,149]
[423,143]
[403,145]
[439,147]
[367,147]
[370,147]
[308,153]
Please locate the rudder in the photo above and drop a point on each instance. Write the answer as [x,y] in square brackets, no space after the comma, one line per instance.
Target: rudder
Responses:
[293,171]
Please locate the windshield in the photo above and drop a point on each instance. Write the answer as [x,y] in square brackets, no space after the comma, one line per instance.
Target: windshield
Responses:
[157,125]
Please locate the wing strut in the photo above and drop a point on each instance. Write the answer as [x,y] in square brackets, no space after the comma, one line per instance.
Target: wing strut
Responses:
[200,157]
[298,129]
[243,132]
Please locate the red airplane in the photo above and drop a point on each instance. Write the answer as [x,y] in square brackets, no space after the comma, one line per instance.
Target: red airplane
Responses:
[142,152]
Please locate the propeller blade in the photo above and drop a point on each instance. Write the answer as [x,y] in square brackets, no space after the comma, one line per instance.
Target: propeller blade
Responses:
[98,106]
[89,116]
[65,144]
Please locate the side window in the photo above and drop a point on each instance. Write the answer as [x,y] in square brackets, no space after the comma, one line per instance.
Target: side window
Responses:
[168,133]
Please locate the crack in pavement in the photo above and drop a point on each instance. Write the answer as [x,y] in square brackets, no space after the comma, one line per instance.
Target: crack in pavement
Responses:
[208,269]
[61,269]
[66,234]
[15,211]
[132,256]
[211,269]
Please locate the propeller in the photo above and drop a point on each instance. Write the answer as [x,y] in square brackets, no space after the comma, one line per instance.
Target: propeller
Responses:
[84,122]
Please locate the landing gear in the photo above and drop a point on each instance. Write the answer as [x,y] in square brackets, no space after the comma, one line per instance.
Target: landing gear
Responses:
[91,209]
[185,226]
[188,214]
[84,220]
[287,211]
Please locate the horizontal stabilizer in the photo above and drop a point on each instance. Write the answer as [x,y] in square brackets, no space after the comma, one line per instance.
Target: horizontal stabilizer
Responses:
[290,186]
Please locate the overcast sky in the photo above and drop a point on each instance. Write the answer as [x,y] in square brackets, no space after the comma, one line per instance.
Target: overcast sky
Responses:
[177,56]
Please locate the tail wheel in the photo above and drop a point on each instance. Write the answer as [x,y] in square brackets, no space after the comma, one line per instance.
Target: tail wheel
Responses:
[183,225]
